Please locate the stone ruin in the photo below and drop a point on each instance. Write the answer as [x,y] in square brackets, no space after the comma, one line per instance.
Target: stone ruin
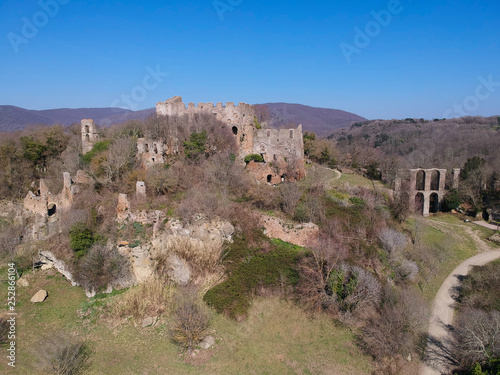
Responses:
[281,149]
[89,135]
[427,188]
[47,206]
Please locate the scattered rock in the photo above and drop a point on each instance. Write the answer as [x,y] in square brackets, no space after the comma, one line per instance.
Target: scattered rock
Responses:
[149,321]
[39,296]
[207,342]
[22,282]
[409,358]
[90,293]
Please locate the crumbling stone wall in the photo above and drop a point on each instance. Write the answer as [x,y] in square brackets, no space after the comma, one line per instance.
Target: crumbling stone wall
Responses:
[46,207]
[305,234]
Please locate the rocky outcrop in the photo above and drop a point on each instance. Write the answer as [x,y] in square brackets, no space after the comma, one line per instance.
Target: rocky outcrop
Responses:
[140,262]
[46,257]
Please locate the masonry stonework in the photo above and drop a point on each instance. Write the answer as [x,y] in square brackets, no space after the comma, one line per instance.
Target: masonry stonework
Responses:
[89,135]
[427,188]
[281,149]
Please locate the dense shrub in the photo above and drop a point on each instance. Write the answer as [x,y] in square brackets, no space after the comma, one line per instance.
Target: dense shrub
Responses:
[250,269]
[62,355]
[100,266]
[81,239]
[98,148]
[451,200]
[255,157]
[195,147]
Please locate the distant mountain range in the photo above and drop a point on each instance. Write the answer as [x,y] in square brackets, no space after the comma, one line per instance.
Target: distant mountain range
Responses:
[322,121]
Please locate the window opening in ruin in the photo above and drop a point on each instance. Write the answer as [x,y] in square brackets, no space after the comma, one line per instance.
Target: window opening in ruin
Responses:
[435,180]
[146,147]
[87,137]
[283,177]
[269,178]
[419,203]
[291,133]
[87,130]
[153,159]
[434,203]
[235,130]
[275,157]
[268,133]
[155,148]
[420,183]
[51,209]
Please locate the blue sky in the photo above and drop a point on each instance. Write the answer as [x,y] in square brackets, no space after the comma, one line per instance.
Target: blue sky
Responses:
[416,59]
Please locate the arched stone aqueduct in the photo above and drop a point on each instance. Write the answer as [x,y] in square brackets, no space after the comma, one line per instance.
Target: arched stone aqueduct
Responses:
[427,188]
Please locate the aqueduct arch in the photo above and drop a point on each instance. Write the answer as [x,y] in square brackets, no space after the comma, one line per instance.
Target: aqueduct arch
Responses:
[428,184]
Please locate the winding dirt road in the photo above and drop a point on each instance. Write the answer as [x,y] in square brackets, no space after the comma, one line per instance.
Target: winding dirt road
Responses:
[437,353]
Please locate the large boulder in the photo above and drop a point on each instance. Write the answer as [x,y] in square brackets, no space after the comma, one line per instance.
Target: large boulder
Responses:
[40,296]
[179,271]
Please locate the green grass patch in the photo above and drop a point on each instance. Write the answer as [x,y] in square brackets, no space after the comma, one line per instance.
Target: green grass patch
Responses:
[250,269]
[277,338]
[455,245]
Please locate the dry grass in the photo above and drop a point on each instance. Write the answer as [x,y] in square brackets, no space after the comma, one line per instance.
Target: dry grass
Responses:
[151,298]
[203,256]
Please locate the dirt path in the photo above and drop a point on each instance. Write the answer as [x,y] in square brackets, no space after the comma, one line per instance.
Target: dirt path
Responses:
[437,354]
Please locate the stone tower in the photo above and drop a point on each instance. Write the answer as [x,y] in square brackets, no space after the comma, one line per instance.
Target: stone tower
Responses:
[89,135]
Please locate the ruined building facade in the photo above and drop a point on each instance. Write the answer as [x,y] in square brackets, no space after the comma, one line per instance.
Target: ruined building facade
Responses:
[427,188]
[281,149]
[46,208]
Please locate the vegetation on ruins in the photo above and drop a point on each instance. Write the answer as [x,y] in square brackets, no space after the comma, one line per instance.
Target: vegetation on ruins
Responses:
[371,269]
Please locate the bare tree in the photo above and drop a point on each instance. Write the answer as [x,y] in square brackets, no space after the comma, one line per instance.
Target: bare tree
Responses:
[393,242]
[191,322]
[290,195]
[315,271]
[399,327]
[120,156]
[477,337]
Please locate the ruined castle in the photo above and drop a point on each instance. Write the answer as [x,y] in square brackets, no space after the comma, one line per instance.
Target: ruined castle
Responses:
[281,149]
